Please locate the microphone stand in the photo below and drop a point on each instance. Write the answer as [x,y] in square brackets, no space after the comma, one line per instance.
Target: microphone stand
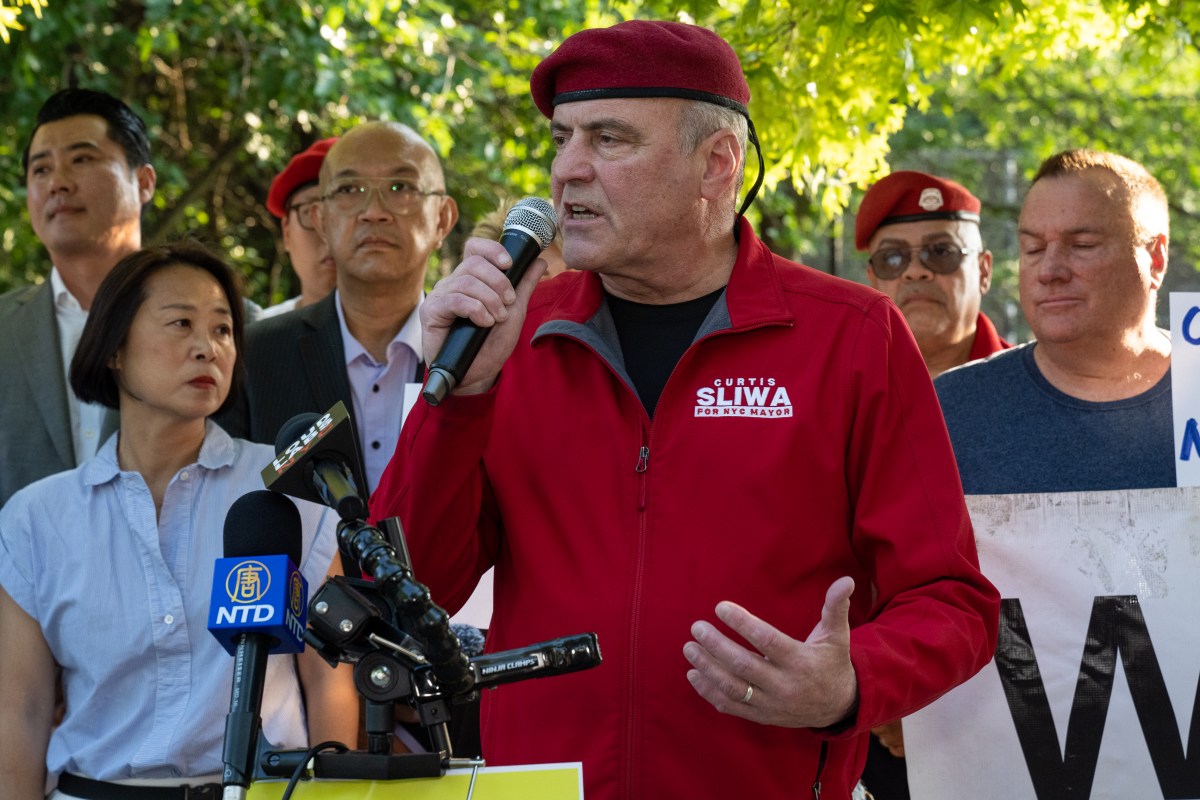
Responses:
[403,649]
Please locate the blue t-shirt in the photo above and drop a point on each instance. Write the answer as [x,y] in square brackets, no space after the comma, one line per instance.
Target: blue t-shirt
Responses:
[1013,432]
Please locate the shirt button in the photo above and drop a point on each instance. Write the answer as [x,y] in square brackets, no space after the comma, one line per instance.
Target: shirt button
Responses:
[375,445]
[183,476]
[375,388]
[169,618]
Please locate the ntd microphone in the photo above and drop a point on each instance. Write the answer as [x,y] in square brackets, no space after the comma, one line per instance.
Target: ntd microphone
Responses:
[257,587]
[258,608]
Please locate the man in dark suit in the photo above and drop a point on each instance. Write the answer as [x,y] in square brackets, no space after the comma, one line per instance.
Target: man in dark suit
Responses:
[87,176]
[383,212]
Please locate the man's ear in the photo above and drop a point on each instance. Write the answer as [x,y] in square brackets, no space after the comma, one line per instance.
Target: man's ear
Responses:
[723,157]
[147,179]
[985,271]
[447,216]
[1158,260]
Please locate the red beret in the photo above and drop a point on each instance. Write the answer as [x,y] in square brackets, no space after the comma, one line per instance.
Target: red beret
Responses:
[303,169]
[640,58]
[910,197]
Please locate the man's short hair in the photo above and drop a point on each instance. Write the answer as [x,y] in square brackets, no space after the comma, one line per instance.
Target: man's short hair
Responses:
[117,302]
[1146,197]
[700,120]
[124,126]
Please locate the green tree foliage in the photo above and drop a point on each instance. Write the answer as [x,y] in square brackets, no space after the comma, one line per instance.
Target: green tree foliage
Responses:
[232,89]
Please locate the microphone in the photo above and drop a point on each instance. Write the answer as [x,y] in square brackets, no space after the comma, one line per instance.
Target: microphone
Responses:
[258,608]
[318,461]
[311,468]
[541,660]
[528,230]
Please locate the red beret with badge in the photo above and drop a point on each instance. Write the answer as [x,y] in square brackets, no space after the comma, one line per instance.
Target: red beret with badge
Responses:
[910,196]
[303,169]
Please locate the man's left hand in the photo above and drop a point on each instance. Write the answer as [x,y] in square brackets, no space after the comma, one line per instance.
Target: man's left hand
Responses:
[787,682]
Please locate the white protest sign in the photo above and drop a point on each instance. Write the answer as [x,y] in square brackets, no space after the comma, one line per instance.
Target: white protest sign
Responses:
[1093,690]
[1185,385]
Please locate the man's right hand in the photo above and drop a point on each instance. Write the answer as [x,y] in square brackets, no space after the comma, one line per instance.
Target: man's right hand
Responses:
[479,290]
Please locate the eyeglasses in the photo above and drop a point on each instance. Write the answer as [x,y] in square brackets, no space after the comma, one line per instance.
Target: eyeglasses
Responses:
[941,258]
[398,196]
[304,214]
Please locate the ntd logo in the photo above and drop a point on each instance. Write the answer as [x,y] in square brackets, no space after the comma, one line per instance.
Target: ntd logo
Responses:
[248,582]
[258,594]
[242,615]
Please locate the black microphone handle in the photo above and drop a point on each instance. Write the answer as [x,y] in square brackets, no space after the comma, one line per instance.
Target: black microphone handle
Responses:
[465,338]
[243,722]
[542,660]
[337,489]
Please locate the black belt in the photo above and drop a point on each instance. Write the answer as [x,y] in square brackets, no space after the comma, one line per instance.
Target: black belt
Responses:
[103,790]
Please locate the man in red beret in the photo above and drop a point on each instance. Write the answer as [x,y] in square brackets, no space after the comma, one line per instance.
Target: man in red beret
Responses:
[292,197]
[687,422]
[922,232]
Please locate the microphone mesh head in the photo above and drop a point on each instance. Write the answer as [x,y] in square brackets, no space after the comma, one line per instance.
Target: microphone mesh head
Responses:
[262,523]
[292,429]
[536,216]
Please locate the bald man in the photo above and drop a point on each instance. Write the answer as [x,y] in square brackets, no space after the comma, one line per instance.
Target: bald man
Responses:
[382,212]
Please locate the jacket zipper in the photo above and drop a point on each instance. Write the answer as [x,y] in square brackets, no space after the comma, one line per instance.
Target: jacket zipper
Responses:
[639,468]
[816,787]
[642,463]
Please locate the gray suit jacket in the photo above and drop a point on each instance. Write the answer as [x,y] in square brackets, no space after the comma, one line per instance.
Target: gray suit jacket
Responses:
[35,438]
[294,363]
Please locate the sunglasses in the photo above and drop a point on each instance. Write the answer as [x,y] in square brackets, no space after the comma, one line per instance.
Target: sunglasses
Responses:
[942,258]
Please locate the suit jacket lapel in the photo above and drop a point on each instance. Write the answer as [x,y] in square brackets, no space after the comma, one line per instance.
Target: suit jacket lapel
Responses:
[324,355]
[44,369]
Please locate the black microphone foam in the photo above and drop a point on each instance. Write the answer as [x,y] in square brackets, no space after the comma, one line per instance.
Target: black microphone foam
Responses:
[528,230]
[262,523]
[291,430]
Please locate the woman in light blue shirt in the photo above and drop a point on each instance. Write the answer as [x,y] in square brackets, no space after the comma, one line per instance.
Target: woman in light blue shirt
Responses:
[106,570]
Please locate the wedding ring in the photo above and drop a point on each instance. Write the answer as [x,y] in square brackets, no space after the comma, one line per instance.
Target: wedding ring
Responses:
[749,693]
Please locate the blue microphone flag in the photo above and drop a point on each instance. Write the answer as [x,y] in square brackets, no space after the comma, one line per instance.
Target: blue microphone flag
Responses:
[259,594]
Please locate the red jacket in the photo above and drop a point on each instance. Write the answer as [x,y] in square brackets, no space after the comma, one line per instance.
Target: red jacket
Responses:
[987,340]
[797,440]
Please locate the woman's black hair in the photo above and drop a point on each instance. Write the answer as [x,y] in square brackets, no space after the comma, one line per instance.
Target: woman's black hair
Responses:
[117,302]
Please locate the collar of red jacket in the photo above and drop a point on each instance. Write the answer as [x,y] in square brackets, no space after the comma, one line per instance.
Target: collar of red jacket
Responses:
[753,295]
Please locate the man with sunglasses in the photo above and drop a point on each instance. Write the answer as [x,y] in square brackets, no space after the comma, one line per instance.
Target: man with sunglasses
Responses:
[382,213]
[922,232]
[292,198]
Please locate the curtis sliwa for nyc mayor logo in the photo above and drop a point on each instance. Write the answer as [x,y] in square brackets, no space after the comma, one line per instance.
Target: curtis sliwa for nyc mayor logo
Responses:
[743,397]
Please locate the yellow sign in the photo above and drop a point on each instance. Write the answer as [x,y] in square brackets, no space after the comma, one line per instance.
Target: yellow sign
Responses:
[543,781]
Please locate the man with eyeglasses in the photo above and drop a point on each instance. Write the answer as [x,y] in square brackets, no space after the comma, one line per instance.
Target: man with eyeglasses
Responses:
[922,232]
[292,198]
[382,213]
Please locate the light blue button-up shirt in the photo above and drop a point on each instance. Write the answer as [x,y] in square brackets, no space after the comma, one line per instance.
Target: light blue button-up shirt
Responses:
[123,598]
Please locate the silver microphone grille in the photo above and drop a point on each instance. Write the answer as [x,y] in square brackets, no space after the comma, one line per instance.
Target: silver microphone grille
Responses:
[536,217]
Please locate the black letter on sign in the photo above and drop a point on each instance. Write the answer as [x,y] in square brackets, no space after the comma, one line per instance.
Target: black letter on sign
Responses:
[1117,625]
